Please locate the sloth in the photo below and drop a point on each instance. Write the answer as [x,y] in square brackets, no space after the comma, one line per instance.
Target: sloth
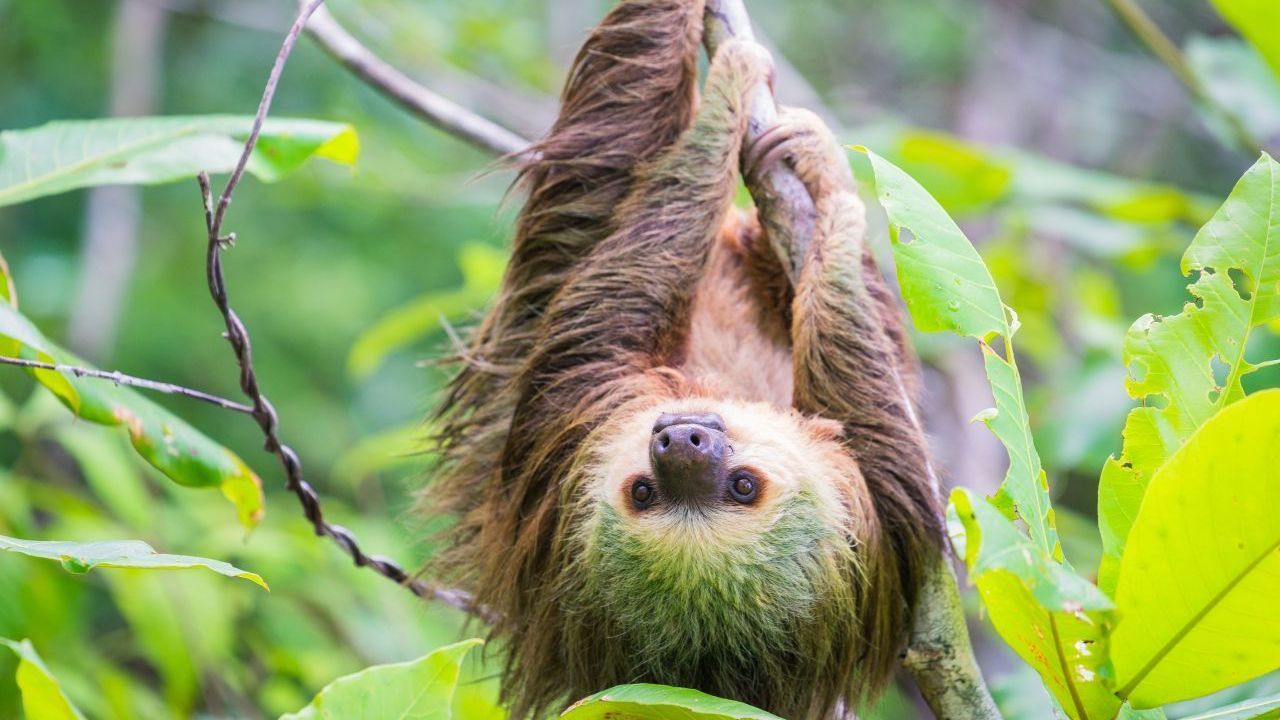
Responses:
[666,457]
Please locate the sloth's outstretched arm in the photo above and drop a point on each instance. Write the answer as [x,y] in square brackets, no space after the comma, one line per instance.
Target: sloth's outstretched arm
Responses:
[853,364]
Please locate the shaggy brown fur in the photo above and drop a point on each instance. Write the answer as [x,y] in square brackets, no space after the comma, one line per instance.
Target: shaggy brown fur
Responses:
[634,286]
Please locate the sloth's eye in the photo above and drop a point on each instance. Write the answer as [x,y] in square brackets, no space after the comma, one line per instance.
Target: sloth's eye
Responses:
[642,494]
[743,487]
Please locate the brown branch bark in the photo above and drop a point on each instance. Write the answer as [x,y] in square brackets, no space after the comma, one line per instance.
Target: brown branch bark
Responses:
[427,105]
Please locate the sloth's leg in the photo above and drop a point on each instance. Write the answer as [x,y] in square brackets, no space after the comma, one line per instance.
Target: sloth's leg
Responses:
[852,364]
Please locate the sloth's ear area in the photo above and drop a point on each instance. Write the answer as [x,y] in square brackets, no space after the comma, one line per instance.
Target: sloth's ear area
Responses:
[825,429]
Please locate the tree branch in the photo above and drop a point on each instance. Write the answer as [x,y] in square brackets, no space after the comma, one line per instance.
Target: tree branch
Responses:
[262,410]
[434,109]
[120,378]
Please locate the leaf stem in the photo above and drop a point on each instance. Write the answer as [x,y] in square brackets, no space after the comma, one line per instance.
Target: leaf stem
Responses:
[120,378]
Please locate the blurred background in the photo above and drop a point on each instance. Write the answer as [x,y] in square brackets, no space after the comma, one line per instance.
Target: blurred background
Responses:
[1079,165]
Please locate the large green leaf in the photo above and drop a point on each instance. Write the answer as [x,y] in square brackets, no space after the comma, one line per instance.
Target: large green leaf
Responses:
[81,557]
[42,696]
[1054,619]
[1200,576]
[421,689]
[659,702]
[65,155]
[1172,360]
[1257,21]
[947,287]
[182,453]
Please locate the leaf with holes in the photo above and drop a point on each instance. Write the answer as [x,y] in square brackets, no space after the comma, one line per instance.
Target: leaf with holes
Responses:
[167,442]
[421,689]
[660,702]
[66,155]
[81,557]
[42,696]
[947,287]
[1187,367]
[1208,528]
[1054,619]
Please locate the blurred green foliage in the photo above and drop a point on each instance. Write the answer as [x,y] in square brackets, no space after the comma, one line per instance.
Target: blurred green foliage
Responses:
[344,277]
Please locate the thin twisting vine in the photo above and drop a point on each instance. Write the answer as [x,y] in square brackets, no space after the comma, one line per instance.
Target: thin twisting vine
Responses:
[262,411]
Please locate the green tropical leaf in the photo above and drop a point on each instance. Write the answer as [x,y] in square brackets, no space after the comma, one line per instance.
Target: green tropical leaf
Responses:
[947,287]
[1053,619]
[660,702]
[168,443]
[42,696]
[81,557]
[1172,360]
[66,155]
[1256,20]
[1200,575]
[421,689]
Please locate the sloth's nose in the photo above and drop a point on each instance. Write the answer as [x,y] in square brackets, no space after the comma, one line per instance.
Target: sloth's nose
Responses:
[687,460]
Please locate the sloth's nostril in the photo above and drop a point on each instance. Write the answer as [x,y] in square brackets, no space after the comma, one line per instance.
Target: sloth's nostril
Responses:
[695,440]
[665,440]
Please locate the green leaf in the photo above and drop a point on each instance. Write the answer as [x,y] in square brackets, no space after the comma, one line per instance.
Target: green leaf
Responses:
[66,155]
[1256,20]
[947,287]
[482,268]
[1200,574]
[421,689]
[963,177]
[1053,619]
[1172,360]
[1264,708]
[42,696]
[81,557]
[168,443]
[660,702]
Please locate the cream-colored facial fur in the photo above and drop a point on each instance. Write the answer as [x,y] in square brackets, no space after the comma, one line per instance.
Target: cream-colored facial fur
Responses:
[790,454]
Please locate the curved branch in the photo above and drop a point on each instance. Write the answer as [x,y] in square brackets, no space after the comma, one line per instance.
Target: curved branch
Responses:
[434,109]
[238,336]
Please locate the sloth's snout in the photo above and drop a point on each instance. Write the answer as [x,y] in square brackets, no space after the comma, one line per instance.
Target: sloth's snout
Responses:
[687,455]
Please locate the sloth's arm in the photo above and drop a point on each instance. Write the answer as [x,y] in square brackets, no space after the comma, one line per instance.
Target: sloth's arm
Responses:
[623,309]
[850,357]
[852,364]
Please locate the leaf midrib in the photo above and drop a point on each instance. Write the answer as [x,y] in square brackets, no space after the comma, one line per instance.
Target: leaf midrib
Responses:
[64,170]
[1195,620]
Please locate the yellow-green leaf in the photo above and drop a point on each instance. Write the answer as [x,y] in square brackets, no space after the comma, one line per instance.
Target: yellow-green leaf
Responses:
[1053,619]
[660,702]
[1200,577]
[42,696]
[1257,21]
[81,557]
[1172,360]
[421,689]
[167,442]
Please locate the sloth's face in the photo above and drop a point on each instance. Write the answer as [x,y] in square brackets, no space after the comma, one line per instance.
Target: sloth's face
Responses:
[711,523]
[711,470]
